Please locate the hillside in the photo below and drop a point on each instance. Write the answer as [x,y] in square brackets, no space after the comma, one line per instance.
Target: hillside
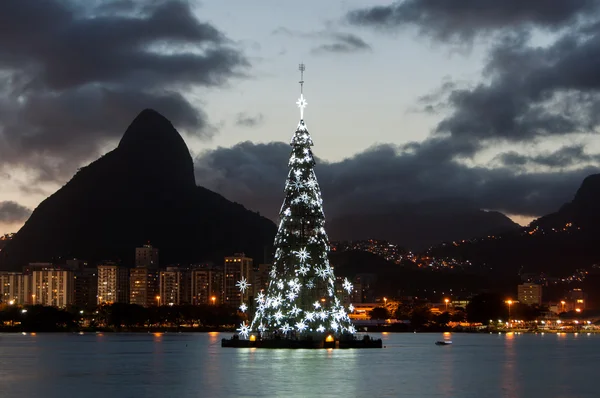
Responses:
[558,243]
[142,191]
[420,225]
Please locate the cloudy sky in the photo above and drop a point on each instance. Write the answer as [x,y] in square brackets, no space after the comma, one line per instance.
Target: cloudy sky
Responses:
[490,102]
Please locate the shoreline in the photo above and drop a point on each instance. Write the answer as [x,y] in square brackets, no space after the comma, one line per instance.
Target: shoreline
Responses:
[183,330]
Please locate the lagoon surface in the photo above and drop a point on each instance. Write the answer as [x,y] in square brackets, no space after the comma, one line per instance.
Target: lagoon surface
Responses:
[195,365]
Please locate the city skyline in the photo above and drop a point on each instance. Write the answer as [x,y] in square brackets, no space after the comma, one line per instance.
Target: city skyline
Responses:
[436,109]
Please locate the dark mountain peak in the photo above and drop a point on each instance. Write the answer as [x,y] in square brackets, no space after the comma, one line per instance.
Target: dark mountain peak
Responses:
[150,127]
[154,147]
[142,191]
[589,191]
[583,210]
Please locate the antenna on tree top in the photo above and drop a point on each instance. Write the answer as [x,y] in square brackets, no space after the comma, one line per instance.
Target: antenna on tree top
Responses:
[301,68]
[301,102]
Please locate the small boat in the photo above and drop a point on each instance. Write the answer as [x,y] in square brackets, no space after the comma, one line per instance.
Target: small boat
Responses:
[443,342]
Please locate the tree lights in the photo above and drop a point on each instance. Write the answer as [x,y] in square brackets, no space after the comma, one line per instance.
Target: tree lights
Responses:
[300,299]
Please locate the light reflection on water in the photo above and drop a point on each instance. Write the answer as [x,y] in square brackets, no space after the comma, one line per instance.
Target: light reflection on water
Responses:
[510,385]
[194,365]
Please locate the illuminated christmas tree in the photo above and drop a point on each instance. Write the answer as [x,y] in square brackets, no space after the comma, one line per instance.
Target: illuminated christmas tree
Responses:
[301,298]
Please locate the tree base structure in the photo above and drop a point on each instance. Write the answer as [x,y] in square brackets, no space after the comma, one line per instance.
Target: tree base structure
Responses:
[286,343]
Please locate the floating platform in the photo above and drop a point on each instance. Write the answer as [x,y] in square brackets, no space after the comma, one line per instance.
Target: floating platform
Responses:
[283,343]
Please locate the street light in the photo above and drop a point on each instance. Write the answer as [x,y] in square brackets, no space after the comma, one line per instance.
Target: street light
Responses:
[158,300]
[385,302]
[509,302]
[446,301]
[563,302]
[213,299]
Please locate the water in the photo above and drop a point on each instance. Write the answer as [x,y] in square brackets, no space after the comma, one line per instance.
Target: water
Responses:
[194,365]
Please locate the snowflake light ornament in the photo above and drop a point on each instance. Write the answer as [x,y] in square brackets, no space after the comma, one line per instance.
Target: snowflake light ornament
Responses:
[304,269]
[334,325]
[322,273]
[278,315]
[276,301]
[295,311]
[243,307]
[347,285]
[301,326]
[244,330]
[303,254]
[291,295]
[243,284]
[260,297]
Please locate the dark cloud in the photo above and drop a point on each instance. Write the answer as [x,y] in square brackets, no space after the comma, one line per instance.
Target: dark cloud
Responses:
[529,91]
[336,42]
[343,43]
[464,19]
[383,177]
[12,213]
[82,74]
[566,156]
[532,92]
[241,119]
